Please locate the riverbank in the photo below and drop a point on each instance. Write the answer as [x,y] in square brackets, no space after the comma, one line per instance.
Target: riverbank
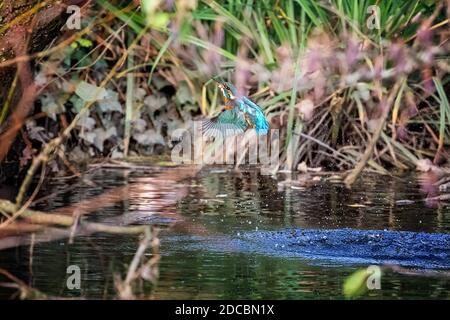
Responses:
[343,93]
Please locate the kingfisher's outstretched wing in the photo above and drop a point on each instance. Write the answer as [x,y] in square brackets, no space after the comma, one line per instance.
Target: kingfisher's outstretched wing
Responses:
[228,123]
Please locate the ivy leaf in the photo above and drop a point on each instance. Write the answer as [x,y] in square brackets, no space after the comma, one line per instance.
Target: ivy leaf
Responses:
[49,106]
[139,94]
[101,135]
[88,136]
[159,82]
[139,125]
[85,43]
[86,122]
[184,94]
[89,92]
[149,137]
[110,102]
[77,103]
[154,102]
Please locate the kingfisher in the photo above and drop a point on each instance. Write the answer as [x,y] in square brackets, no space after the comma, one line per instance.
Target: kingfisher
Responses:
[239,115]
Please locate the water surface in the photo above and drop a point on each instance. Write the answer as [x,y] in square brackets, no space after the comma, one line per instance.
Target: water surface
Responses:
[223,204]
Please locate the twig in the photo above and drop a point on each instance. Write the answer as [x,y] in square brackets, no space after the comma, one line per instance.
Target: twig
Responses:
[26,292]
[124,288]
[39,219]
[129,99]
[351,178]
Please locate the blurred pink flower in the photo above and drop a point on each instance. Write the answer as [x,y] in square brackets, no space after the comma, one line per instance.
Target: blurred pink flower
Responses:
[306,107]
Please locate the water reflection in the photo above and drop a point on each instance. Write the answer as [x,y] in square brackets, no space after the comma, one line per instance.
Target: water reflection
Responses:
[224,203]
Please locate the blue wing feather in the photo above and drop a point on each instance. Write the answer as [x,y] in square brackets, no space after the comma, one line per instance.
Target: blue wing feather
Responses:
[227,123]
[256,115]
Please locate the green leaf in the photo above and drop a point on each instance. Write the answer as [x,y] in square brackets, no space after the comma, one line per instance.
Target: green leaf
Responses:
[154,102]
[85,43]
[159,20]
[101,135]
[149,137]
[77,103]
[89,92]
[86,122]
[50,106]
[110,102]
[184,94]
